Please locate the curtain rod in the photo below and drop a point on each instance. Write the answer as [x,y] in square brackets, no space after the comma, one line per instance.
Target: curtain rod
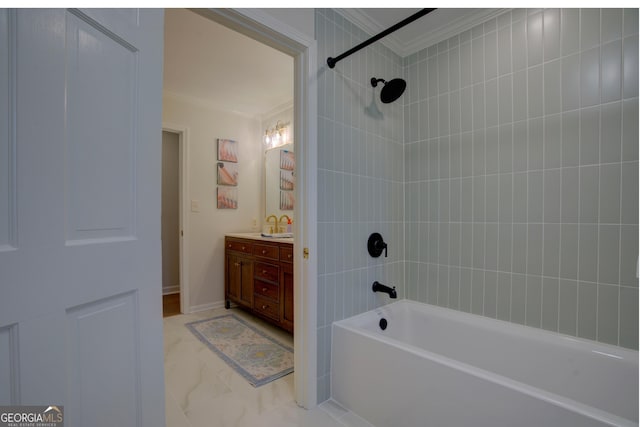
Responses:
[331,62]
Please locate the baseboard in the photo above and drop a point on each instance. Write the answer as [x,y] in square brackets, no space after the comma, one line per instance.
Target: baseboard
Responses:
[168,290]
[203,307]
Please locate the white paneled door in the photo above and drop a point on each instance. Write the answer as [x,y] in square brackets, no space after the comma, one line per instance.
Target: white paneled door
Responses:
[80,272]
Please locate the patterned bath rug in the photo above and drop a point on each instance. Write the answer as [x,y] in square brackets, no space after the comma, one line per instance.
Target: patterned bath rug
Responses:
[252,353]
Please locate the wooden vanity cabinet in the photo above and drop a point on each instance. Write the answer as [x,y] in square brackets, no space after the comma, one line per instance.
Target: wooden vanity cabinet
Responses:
[259,278]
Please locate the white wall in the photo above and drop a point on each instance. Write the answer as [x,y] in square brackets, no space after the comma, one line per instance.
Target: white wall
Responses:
[299,19]
[206,229]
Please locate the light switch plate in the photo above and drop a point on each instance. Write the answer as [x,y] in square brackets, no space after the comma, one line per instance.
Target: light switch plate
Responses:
[195,206]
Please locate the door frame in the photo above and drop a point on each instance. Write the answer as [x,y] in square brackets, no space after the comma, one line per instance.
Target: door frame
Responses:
[183,190]
[264,28]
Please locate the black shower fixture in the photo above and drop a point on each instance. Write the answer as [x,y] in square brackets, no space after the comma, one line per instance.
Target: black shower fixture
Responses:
[392,89]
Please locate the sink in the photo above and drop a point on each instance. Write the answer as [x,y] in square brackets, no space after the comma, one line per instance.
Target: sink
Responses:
[277,235]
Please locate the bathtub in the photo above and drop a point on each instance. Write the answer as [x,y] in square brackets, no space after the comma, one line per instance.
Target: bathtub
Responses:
[436,367]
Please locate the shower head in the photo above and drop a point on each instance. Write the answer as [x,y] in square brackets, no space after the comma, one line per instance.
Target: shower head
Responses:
[392,89]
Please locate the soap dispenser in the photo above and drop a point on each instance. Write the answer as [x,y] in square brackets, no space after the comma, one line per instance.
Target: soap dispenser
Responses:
[289,225]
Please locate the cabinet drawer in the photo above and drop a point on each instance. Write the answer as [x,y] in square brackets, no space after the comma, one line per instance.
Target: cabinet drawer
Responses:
[239,246]
[266,251]
[269,290]
[266,271]
[266,307]
[286,253]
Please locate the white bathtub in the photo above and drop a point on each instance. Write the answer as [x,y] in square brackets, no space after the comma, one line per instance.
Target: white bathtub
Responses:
[435,367]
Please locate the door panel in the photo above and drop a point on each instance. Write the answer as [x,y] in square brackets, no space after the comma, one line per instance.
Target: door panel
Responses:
[80,270]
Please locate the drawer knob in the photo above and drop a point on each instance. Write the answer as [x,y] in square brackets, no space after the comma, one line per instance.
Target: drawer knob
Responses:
[264,251]
[289,256]
[264,307]
[237,264]
[264,289]
[243,248]
[264,271]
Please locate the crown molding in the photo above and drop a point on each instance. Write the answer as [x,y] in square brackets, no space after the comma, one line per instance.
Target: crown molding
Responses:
[362,20]
[288,105]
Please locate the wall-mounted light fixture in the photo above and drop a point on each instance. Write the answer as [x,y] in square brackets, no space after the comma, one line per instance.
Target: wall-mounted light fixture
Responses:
[277,135]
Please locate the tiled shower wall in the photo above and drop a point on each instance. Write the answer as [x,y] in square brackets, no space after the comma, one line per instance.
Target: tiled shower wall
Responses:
[360,179]
[521,152]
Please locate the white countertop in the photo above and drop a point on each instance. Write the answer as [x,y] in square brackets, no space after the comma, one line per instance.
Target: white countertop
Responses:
[258,236]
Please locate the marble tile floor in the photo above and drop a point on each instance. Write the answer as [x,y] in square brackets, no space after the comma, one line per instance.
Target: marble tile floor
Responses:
[202,390]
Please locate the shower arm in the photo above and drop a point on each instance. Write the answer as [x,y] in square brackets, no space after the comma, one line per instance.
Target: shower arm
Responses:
[331,62]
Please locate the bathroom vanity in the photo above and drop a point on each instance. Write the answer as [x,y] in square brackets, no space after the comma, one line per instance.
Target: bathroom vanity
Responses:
[258,273]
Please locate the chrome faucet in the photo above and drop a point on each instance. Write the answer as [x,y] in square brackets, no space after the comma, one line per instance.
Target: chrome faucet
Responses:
[379,287]
[274,227]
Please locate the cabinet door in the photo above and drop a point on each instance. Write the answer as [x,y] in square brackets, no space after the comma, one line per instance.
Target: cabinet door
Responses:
[240,279]
[286,301]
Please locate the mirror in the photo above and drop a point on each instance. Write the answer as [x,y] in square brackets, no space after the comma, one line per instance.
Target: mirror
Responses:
[279,181]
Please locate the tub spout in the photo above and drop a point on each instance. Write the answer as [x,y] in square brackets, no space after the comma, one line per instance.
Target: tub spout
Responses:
[379,287]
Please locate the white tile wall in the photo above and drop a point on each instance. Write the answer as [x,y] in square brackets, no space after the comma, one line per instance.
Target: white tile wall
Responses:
[521,158]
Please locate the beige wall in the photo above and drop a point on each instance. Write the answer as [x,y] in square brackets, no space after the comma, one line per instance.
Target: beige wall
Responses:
[170,213]
[206,229]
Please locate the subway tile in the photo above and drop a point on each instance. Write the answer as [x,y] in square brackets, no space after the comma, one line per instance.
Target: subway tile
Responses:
[571,139]
[630,71]
[505,211]
[610,132]
[518,14]
[443,244]
[432,284]
[520,197]
[589,190]
[534,249]
[570,31]
[568,300]
[477,31]
[443,286]
[465,289]
[477,292]
[505,100]
[520,96]
[491,247]
[454,113]
[433,159]
[590,77]
[432,75]
[504,247]
[551,250]
[551,22]
[443,117]
[534,301]
[630,130]
[609,193]
[571,82]
[520,147]
[490,55]
[443,201]
[479,198]
[465,65]
[534,39]
[518,298]
[466,202]
[490,294]
[629,205]
[454,69]
[587,310]
[611,25]
[433,117]
[611,71]
[535,196]
[454,156]
[608,314]
[588,253]
[505,151]
[535,144]
[504,50]
[589,28]
[454,288]
[535,95]
[443,73]
[552,141]
[608,254]
[423,108]
[478,106]
[466,109]
[628,318]
[477,60]
[590,136]
[629,255]
[478,245]
[492,147]
[519,45]
[552,200]
[570,192]
[550,301]
[491,103]
[479,152]
[552,92]
[423,80]
[466,253]
[503,297]
[492,192]
[569,235]
[454,244]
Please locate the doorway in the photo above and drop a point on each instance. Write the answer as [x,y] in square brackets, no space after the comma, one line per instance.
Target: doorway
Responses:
[170,214]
